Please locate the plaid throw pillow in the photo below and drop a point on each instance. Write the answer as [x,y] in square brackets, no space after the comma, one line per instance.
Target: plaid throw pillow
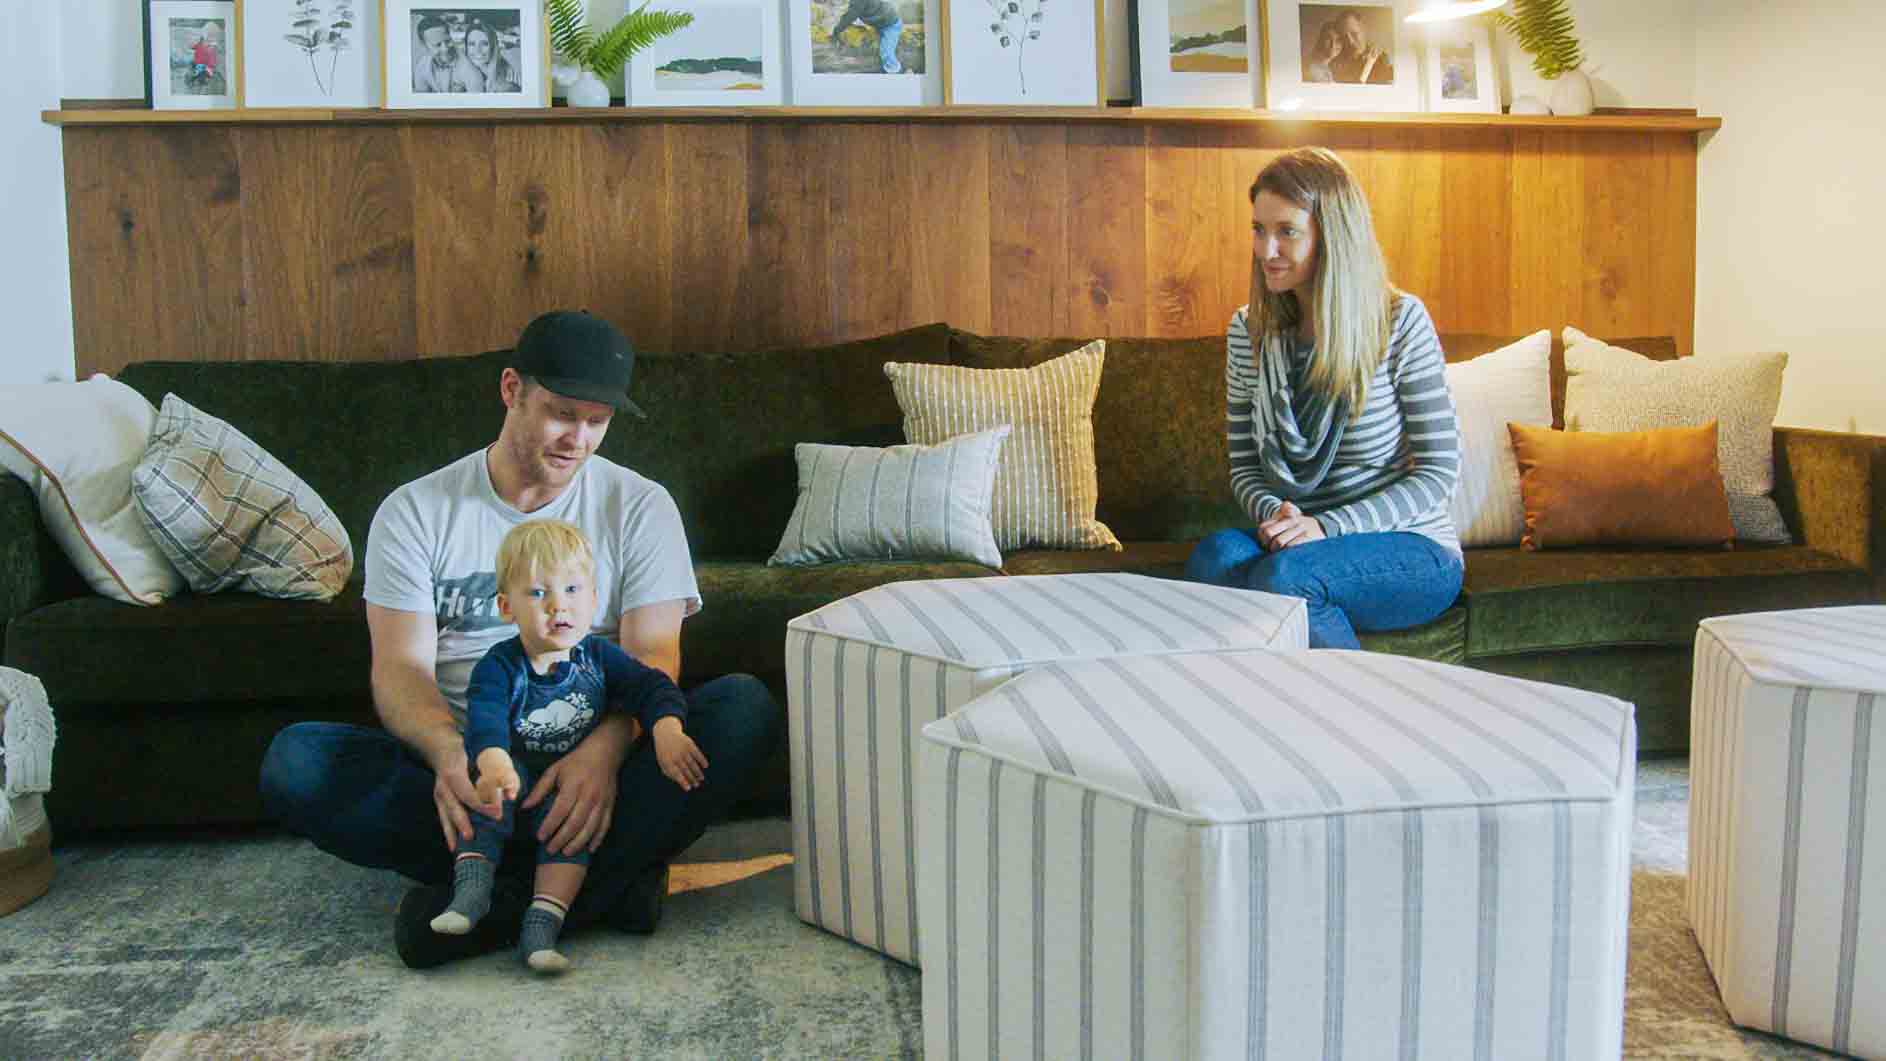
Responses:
[230,516]
[1046,486]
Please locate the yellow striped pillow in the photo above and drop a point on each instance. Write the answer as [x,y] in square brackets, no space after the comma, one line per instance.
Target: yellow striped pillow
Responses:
[1045,484]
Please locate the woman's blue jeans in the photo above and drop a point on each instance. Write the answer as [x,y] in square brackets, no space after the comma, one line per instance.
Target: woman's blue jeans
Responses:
[1367,582]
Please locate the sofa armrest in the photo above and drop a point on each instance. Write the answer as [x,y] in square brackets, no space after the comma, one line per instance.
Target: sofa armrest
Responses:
[1831,487]
[33,571]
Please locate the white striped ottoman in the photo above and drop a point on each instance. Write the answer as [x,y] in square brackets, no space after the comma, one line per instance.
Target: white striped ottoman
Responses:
[1786,892]
[865,673]
[1276,855]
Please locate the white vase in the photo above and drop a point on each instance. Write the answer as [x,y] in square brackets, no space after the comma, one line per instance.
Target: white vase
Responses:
[589,91]
[1571,94]
[1529,105]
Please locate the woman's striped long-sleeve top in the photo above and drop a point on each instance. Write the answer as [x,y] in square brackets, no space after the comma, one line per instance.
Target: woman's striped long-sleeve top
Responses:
[1396,465]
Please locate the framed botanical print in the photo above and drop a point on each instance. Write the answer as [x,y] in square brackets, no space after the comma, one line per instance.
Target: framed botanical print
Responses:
[190,54]
[731,55]
[865,53]
[493,55]
[1356,55]
[1024,52]
[1196,53]
[1459,71]
[310,53]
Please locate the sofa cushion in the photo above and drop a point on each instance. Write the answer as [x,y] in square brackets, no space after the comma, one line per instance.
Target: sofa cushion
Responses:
[741,628]
[1520,601]
[1159,559]
[214,648]
[1629,488]
[1444,640]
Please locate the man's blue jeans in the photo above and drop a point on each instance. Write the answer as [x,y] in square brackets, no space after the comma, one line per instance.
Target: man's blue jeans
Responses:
[362,795]
[1368,582]
[887,47]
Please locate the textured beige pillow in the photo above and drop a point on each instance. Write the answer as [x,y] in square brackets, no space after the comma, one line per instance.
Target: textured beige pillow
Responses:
[230,516]
[1510,385]
[1609,388]
[1045,484]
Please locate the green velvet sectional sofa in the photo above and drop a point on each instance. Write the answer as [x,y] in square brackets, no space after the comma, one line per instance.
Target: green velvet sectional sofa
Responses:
[164,712]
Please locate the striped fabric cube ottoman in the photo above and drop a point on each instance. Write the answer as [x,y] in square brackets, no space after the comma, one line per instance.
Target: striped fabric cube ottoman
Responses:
[1787,891]
[865,674]
[1276,855]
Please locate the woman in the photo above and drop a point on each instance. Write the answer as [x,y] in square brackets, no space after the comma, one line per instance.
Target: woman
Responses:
[1324,53]
[1343,448]
[483,67]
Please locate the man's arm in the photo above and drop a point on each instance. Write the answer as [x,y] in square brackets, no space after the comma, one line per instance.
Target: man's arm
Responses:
[652,634]
[406,697]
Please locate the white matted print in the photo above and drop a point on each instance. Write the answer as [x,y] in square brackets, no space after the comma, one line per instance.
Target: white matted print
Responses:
[730,56]
[310,53]
[190,54]
[1459,69]
[491,55]
[1196,53]
[1032,52]
[1357,55]
[865,53]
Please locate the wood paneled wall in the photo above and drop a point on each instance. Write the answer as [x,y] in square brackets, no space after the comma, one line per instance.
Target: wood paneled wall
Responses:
[339,241]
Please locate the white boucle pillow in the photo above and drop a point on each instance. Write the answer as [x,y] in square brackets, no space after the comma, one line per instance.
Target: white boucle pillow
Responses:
[1609,388]
[1510,385]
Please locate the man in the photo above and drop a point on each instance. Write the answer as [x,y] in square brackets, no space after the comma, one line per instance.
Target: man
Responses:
[882,16]
[1361,63]
[400,798]
[432,70]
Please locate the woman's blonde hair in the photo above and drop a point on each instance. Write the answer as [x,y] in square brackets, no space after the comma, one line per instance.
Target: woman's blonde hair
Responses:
[1354,300]
[539,546]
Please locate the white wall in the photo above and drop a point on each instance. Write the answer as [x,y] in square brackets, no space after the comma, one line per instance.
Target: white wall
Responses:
[1789,219]
[35,279]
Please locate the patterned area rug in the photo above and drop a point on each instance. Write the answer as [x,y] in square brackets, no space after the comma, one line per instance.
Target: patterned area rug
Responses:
[261,947]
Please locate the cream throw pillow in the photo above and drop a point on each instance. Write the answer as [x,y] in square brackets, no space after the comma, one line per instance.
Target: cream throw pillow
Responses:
[896,503]
[75,444]
[1045,483]
[1510,385]
[1609,388]
[232,517]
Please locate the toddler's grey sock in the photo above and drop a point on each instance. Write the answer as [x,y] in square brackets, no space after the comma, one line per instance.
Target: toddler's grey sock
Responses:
[537,941]
[472,878]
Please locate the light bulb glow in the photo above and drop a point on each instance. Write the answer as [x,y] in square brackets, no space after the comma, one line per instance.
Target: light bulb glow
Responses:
[1448,10]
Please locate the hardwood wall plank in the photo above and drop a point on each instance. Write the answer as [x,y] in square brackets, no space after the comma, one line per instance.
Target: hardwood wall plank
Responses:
[786,280]
[1548,219]
[1617,296]
[871,188]
[1106,231]
[1405,183]
[949,225]
[1673,242]
[1476,240]
[462,258]
[1184,229]
[707,203]
[1028,241]
[628,231]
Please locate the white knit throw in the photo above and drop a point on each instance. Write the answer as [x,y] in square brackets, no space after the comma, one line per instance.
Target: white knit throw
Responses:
[27,730]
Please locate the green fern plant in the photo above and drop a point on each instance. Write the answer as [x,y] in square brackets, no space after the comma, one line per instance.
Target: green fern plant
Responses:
[1545,29]
[604,53]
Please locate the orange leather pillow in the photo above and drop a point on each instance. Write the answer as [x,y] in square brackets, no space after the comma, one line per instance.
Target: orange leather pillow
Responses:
[1660,487]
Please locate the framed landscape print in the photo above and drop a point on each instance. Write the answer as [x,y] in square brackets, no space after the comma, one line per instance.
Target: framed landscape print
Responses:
[190,54]
[864,53]
[730,56]
[1196,53]
[310,53]
[1459,69]
[1024,52]
[1357,55]
[493,55]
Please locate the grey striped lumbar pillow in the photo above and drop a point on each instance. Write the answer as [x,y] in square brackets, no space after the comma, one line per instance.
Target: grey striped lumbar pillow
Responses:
[898,503]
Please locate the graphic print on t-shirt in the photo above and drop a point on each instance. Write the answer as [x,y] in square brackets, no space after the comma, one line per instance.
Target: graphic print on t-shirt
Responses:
[467,604]
[556,726]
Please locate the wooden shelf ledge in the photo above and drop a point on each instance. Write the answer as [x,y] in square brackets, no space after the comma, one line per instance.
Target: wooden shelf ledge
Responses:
[1627,122]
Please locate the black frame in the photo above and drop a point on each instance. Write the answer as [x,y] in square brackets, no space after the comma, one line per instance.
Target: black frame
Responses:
[150,96]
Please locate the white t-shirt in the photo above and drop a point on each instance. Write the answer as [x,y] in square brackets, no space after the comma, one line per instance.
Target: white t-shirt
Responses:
[433,547]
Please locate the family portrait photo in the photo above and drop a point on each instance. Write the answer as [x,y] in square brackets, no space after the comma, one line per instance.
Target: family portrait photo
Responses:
[466,50]
[1347,44]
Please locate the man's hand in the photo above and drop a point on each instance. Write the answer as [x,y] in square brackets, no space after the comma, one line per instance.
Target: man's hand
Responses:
[585,783]
[452,794]
[677,754]
[1287,528]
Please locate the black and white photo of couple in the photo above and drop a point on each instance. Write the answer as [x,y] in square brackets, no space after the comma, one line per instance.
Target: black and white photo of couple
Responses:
[1347,44]
[470,50]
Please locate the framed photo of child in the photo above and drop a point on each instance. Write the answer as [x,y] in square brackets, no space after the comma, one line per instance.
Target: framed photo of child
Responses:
[190,60]
[1459,72]
[493,55]
[865,53]
[309,53]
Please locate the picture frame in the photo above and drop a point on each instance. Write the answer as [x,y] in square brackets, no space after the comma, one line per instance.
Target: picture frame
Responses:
[309,53]
[732,55]
[987,58]
[1196,53]
[471,55]
[1458,71]
[1299,77]
[848,70]
[191,55]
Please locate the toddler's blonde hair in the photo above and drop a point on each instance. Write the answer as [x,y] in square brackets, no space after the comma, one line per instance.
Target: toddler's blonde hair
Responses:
[537,546]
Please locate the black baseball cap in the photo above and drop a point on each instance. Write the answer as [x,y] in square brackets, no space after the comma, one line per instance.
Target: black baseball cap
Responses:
[578,355]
